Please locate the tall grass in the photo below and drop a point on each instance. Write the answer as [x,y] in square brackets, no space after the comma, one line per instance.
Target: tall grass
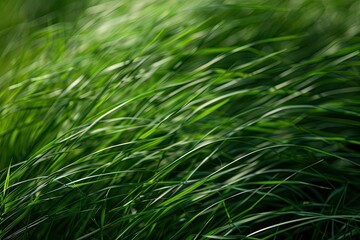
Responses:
[181,120]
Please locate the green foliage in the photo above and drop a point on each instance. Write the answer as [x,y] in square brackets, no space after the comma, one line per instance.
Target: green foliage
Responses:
[180,120]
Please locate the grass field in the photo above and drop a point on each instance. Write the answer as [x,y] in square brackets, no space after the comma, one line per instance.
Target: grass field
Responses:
[179,119]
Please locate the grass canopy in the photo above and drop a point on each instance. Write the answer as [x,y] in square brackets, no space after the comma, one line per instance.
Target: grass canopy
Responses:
[180,119]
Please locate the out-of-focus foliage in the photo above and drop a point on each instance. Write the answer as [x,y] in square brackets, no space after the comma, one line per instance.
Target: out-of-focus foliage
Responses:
[179,119]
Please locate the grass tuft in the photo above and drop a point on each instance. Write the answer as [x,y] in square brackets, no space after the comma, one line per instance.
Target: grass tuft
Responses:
[180,120]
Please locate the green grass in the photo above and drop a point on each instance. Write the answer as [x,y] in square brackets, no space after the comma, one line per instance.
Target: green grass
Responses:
[180,120]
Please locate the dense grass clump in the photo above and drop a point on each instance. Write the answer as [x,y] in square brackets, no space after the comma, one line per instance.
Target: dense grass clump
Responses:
[180,120]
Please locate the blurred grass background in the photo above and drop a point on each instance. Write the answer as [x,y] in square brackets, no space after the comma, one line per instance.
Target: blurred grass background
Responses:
[179,119]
